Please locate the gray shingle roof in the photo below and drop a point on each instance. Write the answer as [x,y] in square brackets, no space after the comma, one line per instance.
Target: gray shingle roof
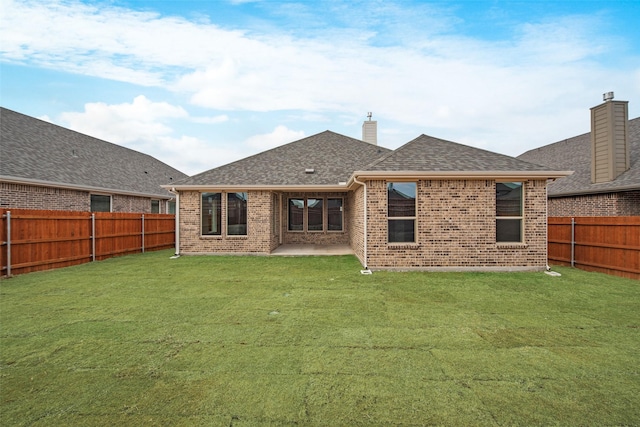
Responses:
[33,149]
[429,154]
[332,156]
[575,154]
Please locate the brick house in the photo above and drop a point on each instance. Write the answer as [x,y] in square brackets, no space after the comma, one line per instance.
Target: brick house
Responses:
[44,166]
[605,161]
[430,204]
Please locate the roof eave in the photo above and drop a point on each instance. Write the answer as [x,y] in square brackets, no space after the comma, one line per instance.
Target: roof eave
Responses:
[620,189]
[262,187]
[501,175]
[90,189]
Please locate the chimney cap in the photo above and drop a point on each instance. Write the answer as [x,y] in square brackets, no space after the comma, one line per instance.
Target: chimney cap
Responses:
[607,96]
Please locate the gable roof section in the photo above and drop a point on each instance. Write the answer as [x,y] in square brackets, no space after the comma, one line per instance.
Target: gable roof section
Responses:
[429,156]
[575,154]
[40,153]
[333,158]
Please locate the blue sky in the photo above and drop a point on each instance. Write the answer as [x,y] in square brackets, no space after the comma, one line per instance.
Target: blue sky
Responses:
[198,84]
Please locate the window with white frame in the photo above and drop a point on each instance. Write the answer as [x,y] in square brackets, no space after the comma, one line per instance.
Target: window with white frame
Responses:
[401,212]
[509,207]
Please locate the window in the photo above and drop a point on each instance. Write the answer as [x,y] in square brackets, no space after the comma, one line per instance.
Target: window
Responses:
[296,211]
[334,217]
[314,215]
[155,206]
[211,214]
[508,212]
[100,203]
[237,214]
[401,211]
[171,207]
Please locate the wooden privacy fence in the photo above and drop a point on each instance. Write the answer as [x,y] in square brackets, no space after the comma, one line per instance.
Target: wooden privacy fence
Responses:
[33,240]
[606,244]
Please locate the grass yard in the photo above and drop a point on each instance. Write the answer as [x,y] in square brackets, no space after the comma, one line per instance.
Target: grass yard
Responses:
[242,341]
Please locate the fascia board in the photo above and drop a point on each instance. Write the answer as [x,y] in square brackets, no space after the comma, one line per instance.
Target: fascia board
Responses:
[500,175]
[90,189]
[238,188]
[620,189]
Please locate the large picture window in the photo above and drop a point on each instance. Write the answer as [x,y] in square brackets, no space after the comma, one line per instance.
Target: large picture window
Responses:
[296,214]
[211,214]
[237,214]
[334,214]
[314,215]
[509,212]
[401,211]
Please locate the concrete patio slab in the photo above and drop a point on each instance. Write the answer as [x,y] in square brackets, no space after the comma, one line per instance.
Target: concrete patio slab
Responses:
[299,250]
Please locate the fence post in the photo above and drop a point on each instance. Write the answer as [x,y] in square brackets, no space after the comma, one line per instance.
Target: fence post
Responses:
[93,237]
[8,243]
[573,241]
[142,233]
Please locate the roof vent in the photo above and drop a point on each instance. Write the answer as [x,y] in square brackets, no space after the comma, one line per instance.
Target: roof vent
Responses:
[608,96]
[309,170]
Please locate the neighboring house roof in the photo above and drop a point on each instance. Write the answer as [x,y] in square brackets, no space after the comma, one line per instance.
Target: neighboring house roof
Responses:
[337,161]
[575,154]
[333,158]
[37,152]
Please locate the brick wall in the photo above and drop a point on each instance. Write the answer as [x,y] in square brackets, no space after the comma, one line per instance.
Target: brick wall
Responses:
[19,196]
[260,228]
[356,219]
[607,204]
[456,227]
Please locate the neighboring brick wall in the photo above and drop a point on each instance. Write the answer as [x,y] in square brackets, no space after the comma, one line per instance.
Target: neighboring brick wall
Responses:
[315,237]
[606,204]
[456,227]
[18,196]
[258,240]
[629,203]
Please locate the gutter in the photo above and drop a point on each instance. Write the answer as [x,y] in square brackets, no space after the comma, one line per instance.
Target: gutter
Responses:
[620,189]
[262,187]
[506,175]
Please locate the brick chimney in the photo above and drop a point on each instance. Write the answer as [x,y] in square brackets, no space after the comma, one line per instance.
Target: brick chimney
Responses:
[609,139]
[370,131]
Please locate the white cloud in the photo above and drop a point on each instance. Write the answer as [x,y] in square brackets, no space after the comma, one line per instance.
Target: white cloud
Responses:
[280,135]
[505,94]
[141,126]
[126,122]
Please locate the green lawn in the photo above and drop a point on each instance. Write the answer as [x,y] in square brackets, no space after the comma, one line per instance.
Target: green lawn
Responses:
[145,340]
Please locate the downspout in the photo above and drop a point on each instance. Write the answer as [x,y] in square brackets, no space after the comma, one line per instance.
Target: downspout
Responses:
[177,193]
[546,195]
[365,220]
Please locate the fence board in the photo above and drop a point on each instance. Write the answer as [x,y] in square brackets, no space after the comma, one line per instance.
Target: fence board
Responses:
[606,244]
[42,240]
